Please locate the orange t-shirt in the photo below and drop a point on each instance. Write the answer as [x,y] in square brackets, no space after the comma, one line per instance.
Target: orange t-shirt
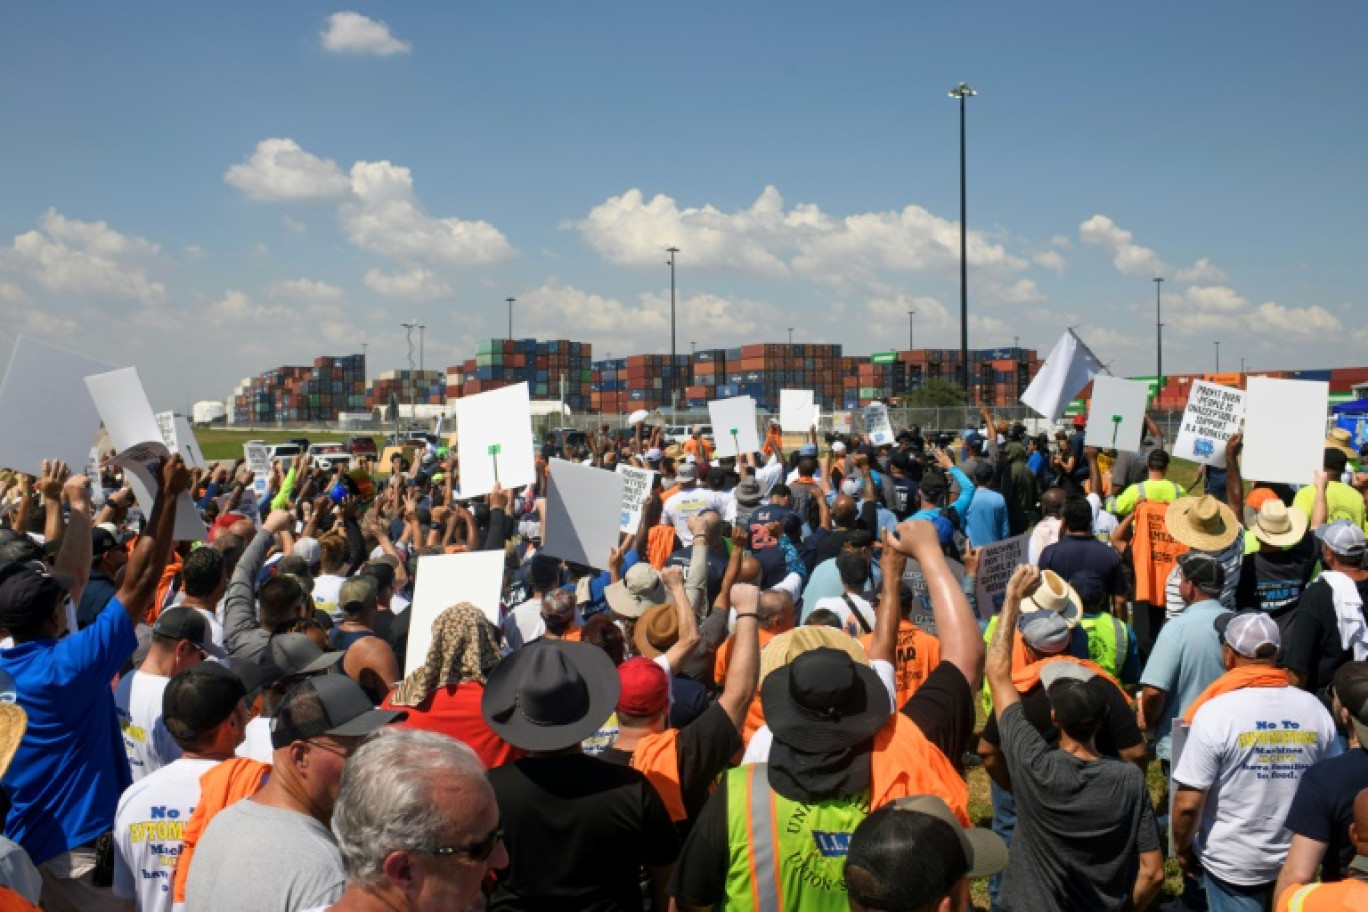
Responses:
[755,714]
[917,654]
[702,450]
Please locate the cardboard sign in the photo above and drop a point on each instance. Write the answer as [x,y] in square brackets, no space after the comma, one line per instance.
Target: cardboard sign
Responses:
[450,579]
[797,411]
[578,528]
[997,562]
[123,407]
[877,426]
[45,407]
[1212,417]
[1284,435]
[636,490]
[495,443]
[258,456]
[733,422]
[1154,550]
[1116,417]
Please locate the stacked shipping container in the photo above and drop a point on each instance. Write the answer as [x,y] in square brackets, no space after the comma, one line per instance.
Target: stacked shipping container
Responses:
[332,385]
[548,368]
[638,382]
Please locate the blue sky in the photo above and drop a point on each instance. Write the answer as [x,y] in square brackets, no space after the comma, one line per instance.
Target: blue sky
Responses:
[209,191]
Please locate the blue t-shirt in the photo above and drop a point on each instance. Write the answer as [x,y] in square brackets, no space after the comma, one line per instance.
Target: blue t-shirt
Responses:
[598,602]
[1185,659]
[986,520]
[1323,808]
[66,778]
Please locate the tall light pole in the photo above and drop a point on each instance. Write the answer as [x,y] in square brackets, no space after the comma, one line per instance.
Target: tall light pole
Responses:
[674,391]
[510,317]
[421,327]
[1158,336]
[790,329]
[911,329]
[1218,356]
[1242,364]
[693,348]
[963,91]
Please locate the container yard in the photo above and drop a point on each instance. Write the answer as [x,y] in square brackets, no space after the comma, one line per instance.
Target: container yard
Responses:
[332,385]
[553,369]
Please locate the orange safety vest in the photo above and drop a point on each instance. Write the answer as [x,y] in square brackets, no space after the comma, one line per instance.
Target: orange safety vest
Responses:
[916,655]
[660,542]
[227,783]
[657,756]
[1153,552]
[1342,896]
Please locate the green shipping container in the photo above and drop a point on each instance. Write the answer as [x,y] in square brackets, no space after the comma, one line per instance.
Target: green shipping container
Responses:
[883,357]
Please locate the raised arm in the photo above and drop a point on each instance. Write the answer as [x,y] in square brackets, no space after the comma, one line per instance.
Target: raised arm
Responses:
[239,599]
[888,612]
[50,486]
[1234,492]
[956,626]
[74,556]
[743,672]
[673,578]
[149,557]
[999,669]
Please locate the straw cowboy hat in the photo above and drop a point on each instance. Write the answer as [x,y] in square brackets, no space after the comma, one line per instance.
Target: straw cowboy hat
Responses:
[1278,526]
[1340,439]
[1054,594]
[1202,523]
[13,723]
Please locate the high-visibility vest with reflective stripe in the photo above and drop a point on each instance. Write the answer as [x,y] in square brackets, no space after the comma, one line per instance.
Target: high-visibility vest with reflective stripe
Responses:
[1108,642]
[1342,896]
[785,855]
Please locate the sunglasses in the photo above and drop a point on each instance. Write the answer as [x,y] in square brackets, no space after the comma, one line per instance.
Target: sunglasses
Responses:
[479,850]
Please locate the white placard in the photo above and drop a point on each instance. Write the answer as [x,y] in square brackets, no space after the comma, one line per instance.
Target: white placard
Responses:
[636,490]
[92,468]
[45,407]
[122,404]
[877,426]
[997,562]
[1284,433]
[450,579]
[733,424]
[495,440]
[179,438]
[578,528]
[258,456]
[1116,415]
[797,411]
[1211,418]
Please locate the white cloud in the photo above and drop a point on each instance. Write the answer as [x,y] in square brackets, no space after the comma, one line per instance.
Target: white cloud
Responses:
[1061,241]
[353,33]
[1202,272]
[769,240]
[310,291]
[279,171]
[383,215]
[85,258]
[415,284]
[1296,321]
[1128,257]
[238,309]
[293,224]
[1022,291]
[11,293]
[1051,260]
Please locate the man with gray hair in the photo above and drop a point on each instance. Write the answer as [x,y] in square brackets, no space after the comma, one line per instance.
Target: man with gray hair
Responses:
[417,825]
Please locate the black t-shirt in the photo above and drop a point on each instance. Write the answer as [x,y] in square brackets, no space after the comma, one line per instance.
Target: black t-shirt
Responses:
[705,748]
[760,520]
[1324,807]
[717,568]
[1118,731]
[1313,647]
[1073,553]
[578,832]
[943,708]
[829,545]
[905,497]
[1274,581]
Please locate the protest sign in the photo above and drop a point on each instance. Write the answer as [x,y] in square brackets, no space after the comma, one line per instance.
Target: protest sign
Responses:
[1116,416]
[258,456]
[922,614]
[578,529]
[636,489]
[450,579]
[123,407]
[1284,435]
[1211,418]
[877,427]
[1066,371]
[495,443]
[733,422]
[45,407]
[92,468]
[179,438]
[1155,550]
[797,411]
[996,564]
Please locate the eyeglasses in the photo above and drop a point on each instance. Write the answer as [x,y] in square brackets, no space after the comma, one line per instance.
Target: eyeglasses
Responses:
[479,850]
[343,752]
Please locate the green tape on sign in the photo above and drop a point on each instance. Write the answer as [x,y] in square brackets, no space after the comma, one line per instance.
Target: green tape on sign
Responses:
[733,430]
[1116,419]
[495,449]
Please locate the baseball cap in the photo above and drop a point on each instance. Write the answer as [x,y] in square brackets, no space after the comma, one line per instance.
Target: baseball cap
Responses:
[973,439]
[27,589]
[1044,631]
[102,541]
[1203,571]
[645,687]
[295,654]
[356,595]
[1249,633]
[308,549]
[852,486]
[686,472]
[1351,687]
[181,622]
[328,705]
[808,449]
[199,698]
[654,454]
[838,447]
[1065,670]
[884,864]
[1344,538]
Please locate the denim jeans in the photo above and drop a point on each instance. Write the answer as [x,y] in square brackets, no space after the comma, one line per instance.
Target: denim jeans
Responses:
[1004,824]
[1221,898]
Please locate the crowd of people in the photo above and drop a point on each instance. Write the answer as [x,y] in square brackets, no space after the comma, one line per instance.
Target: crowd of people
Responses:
[769,697]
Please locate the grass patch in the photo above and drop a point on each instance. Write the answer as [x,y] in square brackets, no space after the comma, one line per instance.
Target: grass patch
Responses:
[222,443]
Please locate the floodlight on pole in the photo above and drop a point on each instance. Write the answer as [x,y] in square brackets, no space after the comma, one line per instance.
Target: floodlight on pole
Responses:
[961,92]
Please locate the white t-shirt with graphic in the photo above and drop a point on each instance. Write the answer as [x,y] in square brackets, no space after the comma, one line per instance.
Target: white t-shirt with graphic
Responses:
[147,743]
[1248,750]
[849,624]
[147,832]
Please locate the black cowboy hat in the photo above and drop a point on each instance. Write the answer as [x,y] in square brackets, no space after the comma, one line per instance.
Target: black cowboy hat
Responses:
[550,694]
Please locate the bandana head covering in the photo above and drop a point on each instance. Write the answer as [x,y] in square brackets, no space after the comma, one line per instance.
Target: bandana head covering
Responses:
[465,646]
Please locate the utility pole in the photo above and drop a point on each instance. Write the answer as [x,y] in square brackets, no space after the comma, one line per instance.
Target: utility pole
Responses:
[911,329]
[510,317]
[1158,335]
[674,386]
[961,92]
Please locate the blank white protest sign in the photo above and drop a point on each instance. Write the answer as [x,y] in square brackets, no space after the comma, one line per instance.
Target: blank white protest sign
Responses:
[797,411]
[1284,431]
[45,408]
[495,427]
[450,579]
[735,414]
[1116,415]
[580,525]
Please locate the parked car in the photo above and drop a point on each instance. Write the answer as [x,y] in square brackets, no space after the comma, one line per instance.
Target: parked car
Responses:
[560,438]
[361,445]
[328,456]
[301,442]
[284,451]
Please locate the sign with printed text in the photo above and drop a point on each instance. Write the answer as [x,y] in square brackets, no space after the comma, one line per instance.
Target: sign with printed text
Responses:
[1154,549]
[1284,435]
[997,562]
[636,490]
[1212,417]
[179,438]
[258,456]
[877,426]
[923,613]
